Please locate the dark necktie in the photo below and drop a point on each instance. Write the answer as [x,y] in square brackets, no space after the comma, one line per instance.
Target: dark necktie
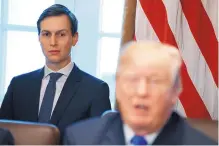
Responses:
[138,140]
[47,103]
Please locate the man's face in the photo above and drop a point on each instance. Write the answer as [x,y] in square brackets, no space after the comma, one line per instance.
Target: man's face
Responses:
[144,91]
[56,39]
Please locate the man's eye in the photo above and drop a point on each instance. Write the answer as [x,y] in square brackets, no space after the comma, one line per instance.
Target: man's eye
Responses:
[45,34]
[156,81]
[62,34]
[132,79]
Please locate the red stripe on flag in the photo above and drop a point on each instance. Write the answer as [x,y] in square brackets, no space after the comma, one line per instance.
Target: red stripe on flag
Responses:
[203,32]
[157,16]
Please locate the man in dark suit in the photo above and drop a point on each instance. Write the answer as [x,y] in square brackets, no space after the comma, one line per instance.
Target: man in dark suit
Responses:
[59,93]
[147,87]
[6,137]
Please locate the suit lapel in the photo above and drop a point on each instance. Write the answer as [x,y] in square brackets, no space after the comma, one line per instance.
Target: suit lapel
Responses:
[70,87]
[114,132]
[35,95]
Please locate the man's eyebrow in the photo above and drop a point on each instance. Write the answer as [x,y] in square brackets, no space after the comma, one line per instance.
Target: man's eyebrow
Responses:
[45,31]
[58,31]
[62,30]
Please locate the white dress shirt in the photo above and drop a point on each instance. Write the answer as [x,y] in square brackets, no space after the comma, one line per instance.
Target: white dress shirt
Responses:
[129,134]
[59,84]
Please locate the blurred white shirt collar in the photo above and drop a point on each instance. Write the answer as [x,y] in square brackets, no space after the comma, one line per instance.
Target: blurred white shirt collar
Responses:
[129,134]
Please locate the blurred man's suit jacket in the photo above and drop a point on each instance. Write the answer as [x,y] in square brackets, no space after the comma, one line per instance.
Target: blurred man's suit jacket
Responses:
[108,130]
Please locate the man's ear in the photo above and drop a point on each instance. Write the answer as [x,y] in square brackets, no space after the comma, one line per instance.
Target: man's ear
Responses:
[75,39]
[176,89]
[175,95]
[174,100]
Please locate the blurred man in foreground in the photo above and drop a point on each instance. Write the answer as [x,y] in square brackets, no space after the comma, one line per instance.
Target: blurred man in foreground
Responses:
[147,87]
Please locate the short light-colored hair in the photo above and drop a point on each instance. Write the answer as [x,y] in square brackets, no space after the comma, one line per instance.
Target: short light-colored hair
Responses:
[158,48]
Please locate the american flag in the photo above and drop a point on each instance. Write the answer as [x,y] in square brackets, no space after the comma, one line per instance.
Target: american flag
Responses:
[191,26]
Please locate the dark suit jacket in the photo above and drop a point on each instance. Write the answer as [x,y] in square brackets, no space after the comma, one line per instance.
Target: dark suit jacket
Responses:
[108,130]
[83,96]
[6,137]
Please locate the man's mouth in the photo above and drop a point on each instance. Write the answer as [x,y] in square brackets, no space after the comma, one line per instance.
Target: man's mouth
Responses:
[141,106]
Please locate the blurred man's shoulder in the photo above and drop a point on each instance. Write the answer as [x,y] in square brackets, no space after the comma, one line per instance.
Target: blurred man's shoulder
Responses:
[189,135]
[196,137]
[94,124]
[88,131]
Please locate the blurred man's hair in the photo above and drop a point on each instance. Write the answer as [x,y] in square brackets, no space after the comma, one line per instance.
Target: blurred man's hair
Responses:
[161,48]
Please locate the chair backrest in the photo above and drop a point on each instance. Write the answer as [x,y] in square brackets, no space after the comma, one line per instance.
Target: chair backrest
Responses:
[109,112]
[31,133]
[208,127]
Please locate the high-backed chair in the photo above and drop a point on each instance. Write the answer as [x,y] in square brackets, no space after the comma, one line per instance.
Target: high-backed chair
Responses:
[30,133]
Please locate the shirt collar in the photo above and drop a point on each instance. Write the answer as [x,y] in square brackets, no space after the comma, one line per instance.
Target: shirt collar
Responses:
[129,133]
[65,71]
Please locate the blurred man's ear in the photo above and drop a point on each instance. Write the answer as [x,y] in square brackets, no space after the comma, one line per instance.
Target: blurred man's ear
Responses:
[174,99]
[75,39]
[176,90]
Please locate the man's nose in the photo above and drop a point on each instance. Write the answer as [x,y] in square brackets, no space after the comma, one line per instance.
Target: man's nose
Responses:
[53,40]
[142,88]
